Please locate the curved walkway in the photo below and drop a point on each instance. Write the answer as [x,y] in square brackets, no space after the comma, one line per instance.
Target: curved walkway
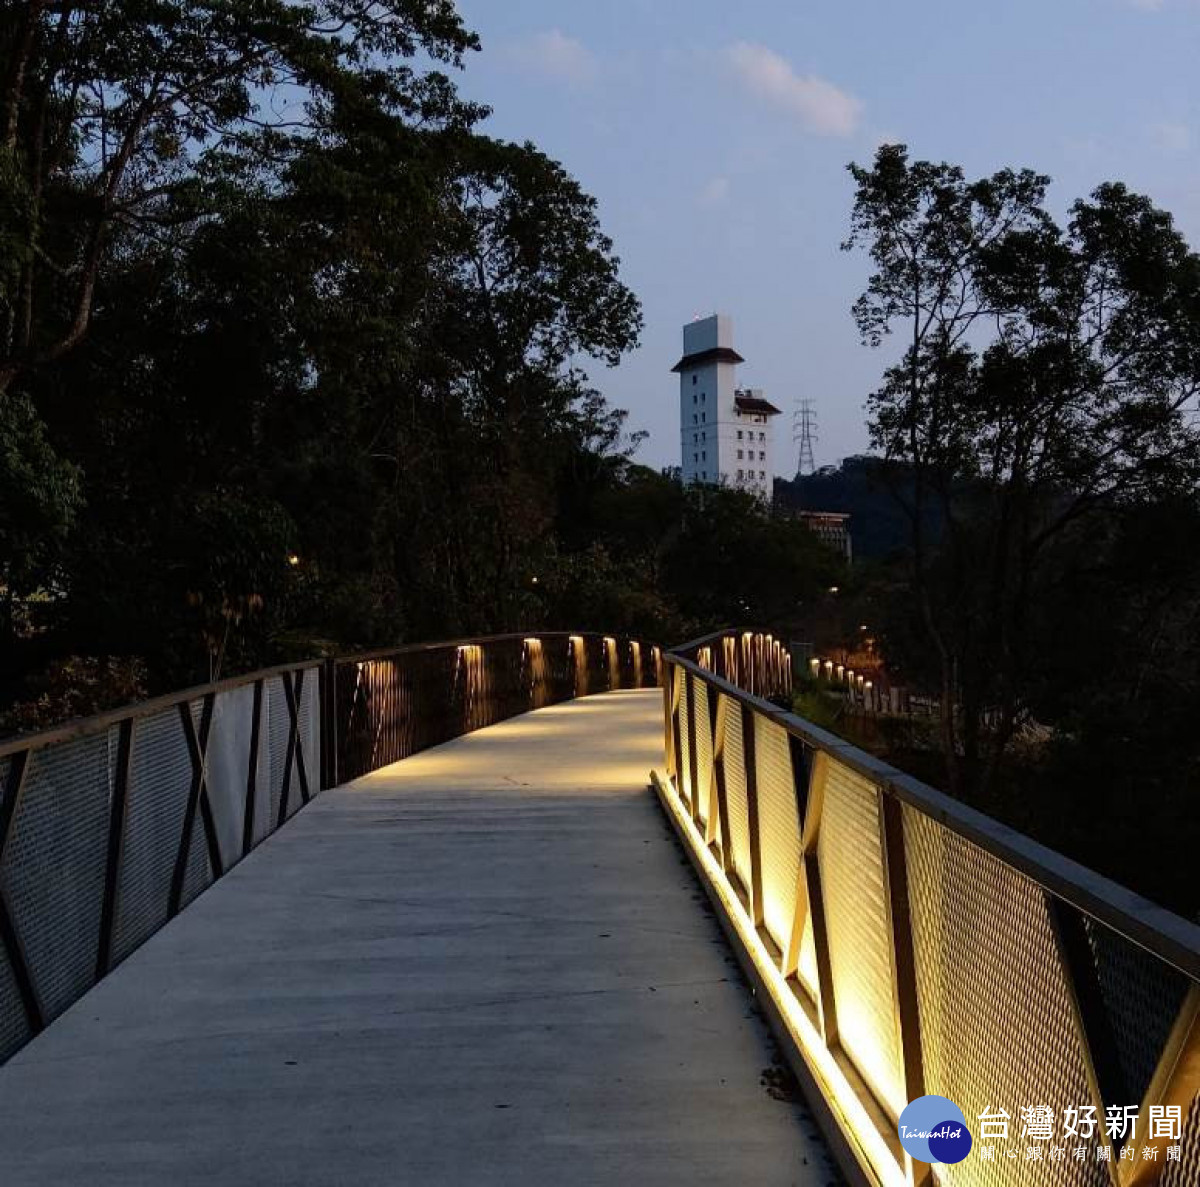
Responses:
[488,964]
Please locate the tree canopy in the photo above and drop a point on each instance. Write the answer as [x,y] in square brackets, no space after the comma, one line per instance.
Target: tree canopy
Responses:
[294,355]
[1048,377]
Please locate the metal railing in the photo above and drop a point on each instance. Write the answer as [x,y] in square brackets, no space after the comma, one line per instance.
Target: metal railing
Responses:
[753,660]
[112,825]
[390,704]
[907,944]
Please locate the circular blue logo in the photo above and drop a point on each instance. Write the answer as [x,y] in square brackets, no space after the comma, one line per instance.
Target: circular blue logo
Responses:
[933,1129]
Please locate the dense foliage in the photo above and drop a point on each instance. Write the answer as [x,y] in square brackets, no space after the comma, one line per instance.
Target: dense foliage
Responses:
[291,359]
[1048,385]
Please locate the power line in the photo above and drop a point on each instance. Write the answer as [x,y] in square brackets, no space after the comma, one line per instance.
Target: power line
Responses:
[804,435]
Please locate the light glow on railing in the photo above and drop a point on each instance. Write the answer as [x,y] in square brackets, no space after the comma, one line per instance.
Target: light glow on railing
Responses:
[852,1117]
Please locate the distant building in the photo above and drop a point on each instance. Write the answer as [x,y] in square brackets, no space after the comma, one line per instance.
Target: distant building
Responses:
[724,430]
[831,527]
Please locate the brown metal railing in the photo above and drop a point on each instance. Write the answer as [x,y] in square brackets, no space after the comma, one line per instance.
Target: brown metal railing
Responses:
[390,704]
[753,660]
[112,825]
[906,944]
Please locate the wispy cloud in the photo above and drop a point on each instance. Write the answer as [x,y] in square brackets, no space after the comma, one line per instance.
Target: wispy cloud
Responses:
[1170,136]
[554,54]
[820,105]
[714,193]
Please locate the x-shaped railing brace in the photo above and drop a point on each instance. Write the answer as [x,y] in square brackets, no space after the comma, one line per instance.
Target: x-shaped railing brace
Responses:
[295,745]
[197,744]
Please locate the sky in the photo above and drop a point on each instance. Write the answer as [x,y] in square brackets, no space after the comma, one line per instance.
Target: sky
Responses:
[715,137]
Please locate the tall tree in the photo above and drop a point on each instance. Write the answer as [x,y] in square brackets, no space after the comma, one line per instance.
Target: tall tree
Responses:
[110,113]
[1049,374]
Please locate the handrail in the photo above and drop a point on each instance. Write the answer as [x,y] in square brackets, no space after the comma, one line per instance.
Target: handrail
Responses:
[1156,929]
[79,727]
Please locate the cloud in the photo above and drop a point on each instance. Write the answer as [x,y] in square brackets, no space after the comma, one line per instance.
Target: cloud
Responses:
[555,55]
[715,193]
[1169,136]
[820,106]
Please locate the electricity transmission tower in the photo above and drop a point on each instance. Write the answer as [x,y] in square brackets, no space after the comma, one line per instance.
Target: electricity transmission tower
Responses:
[804,434]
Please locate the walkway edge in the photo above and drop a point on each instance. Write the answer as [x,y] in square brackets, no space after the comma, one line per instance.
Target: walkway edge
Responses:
[852,1160]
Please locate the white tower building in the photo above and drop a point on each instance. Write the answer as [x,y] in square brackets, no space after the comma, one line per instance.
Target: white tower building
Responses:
[724,430]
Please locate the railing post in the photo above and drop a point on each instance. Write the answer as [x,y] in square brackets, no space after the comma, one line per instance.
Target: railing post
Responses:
[905,1001]
[677,691]
[1088,1014]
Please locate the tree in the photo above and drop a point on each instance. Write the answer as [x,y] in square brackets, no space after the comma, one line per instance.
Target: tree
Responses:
[112,114]
[1049,375]
[39,498]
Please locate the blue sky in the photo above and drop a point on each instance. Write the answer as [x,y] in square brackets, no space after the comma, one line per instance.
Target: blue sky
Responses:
[715,136]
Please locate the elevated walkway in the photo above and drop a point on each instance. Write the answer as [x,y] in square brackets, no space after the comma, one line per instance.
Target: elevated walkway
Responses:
[486,964]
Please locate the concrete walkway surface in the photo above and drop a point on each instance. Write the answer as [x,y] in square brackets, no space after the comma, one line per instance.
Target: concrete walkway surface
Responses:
[488,964]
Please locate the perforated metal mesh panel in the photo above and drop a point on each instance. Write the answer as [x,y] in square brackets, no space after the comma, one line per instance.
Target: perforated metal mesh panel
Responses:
[987,966]
[779,828]
[14,1030]
[267,779]
[54,867]
[704,748]
[53,870]
[228,758]
[160,777]
[856,918]
[735,792]
[1142,997]
[685,745]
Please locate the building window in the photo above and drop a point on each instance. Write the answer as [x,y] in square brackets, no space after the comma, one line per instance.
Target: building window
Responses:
[695,457]
[703,397]
[741,475]
[739,455]
[762,457]
[762,473]
[739,434]
[762,436]
[693,397]
[693,381]
[704,454]
[693,418]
